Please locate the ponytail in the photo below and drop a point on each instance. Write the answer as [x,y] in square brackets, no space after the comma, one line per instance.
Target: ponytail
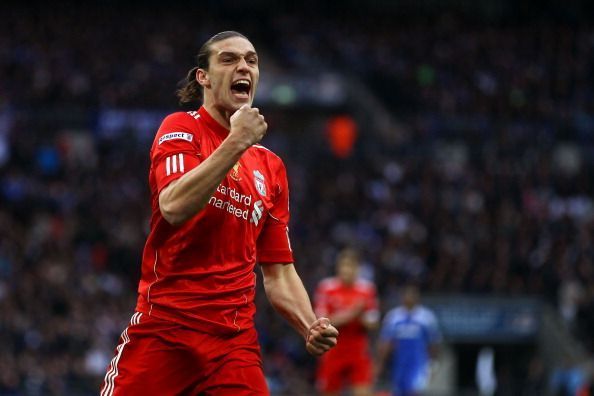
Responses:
[190,91]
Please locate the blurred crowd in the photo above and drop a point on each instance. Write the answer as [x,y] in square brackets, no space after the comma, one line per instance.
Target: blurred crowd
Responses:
[484,186]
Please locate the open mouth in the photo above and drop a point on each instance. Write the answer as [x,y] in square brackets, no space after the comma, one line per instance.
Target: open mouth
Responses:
[241,88]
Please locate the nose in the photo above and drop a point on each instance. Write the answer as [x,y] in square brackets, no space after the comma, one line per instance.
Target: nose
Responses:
[242,65]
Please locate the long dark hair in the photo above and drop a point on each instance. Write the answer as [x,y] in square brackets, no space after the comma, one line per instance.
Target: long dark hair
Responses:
[190,91]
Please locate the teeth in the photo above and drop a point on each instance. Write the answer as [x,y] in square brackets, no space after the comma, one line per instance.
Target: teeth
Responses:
[241,82]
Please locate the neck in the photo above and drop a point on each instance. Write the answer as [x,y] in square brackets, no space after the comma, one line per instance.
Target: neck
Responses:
[220,115]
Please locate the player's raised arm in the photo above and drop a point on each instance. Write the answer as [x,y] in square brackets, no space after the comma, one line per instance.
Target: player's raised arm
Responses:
[186,196]
[288,296]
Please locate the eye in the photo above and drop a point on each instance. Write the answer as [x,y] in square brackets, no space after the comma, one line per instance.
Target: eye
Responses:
[252,61]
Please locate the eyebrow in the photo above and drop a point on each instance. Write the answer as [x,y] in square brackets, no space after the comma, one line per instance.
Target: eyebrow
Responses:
[249,53]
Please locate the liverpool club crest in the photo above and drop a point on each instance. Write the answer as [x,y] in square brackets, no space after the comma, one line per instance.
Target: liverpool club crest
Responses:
[259,182]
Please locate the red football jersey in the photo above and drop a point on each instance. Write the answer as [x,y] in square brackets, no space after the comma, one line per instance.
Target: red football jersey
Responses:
[333,296]
[201,273]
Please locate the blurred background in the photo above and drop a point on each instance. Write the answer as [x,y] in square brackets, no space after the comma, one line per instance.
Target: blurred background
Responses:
[451,141]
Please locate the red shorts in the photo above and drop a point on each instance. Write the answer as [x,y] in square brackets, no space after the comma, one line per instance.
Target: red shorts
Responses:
[158,357]
[339,368]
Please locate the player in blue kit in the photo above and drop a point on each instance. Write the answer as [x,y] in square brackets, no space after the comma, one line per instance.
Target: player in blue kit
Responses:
[411,335]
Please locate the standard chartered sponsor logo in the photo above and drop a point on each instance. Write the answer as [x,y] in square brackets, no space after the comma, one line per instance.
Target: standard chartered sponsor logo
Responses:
[229,207]
[237,204]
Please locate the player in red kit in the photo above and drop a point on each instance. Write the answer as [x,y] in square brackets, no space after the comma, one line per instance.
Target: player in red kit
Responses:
[352,306]
[220,203]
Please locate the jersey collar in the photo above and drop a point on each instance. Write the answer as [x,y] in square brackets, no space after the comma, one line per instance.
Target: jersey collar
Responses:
[212,123]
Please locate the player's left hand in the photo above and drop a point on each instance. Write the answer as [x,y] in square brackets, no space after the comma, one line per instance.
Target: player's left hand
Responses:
[321,337]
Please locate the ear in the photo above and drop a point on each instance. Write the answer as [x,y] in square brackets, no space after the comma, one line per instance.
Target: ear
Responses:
[203,78]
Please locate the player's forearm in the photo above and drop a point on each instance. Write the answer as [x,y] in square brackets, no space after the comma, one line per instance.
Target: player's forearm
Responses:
[186,196]
[370,320]
[341,318]
[288,296]
[369,325]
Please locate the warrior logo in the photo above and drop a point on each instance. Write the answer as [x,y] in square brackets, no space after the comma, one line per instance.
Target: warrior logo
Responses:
[259,183]
[257,213]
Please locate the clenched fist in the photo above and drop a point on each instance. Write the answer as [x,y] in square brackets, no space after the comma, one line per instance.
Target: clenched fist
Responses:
[321,337]
[247,126]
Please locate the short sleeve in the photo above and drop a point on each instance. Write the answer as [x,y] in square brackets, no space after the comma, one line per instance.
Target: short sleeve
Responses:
[175,149]
[273,244]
